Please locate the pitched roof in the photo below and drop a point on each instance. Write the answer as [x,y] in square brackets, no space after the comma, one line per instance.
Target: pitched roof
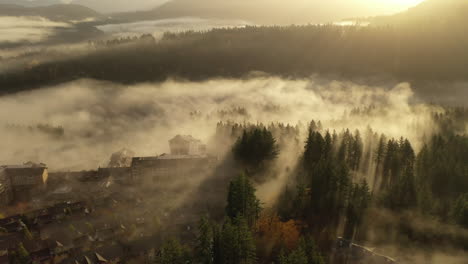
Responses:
[186,138]
[88,260]
[21,170]
[100,258]
[170,157]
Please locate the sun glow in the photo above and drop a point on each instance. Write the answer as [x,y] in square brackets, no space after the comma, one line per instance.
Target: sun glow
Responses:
[398,3]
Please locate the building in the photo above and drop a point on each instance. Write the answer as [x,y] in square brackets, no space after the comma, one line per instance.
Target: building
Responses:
[26,179]
[161,169]
[186,145]
[187,159]
[6,191]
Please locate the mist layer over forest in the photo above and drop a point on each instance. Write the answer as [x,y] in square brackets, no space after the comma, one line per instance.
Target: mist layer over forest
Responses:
[292,52]
[93,119]
[101,117]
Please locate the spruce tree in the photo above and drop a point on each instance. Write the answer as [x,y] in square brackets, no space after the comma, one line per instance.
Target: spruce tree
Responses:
[242,201]
[205,241]
[172,252]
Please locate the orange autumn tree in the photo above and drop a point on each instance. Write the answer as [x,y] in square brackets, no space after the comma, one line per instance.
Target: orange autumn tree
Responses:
[273,235]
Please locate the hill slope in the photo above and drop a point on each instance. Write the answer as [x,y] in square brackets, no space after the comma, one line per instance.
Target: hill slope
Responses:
[261,11]
[27,3]
[59,12]
[433,12]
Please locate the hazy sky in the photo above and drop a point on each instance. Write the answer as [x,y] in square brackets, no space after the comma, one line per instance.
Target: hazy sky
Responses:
[106,6]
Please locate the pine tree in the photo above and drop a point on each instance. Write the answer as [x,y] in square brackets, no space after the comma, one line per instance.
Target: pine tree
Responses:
[247,250]
[359,199]
[234,244]
[205,241]
[314,149]
[172,252]
[242,200]
[255,147]
[298,256]
[460,211]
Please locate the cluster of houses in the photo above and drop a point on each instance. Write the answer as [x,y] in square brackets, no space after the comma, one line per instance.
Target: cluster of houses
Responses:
[70,233]
[187,157]
[69,227]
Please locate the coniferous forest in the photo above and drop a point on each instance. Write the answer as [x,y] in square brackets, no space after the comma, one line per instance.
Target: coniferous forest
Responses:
[293,51]
[346,184]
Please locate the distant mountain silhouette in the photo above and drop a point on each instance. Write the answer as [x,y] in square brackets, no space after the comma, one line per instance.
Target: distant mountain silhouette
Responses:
[429,12]
[257,11]
[27,3]
[59,12]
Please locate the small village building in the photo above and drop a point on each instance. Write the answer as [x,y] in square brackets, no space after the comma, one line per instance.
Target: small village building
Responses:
[165,168]
[26,180]
[188,158]
[6,191]
[186,145]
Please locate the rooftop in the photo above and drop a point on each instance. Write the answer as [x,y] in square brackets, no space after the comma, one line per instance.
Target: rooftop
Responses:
[187,138]
[27,165]
[171,157]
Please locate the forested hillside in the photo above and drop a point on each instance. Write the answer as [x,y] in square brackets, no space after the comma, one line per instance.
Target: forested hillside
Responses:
[58,12]
[429,12]
[295,51]
[345,184]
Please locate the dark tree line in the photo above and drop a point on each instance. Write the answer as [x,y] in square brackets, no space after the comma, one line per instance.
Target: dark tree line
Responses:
[326,188]
[285,51]
[255,147]
[332,181]
[442,175]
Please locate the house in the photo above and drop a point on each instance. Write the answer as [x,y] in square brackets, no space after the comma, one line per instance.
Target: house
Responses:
[186,145]
[6,191]
[26,179]
[165,168]
[187,159]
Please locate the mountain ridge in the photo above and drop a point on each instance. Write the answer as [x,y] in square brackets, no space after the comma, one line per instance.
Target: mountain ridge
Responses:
[258,11]
[57,12]
[429,11]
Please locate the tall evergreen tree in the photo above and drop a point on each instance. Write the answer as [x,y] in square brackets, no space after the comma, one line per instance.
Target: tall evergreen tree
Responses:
[241,200]
[358,202]
[234,243]
[205,241]
[255,147]
[172,252]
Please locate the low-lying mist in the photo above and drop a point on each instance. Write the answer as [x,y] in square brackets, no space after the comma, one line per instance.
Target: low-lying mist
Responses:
[27,29]
[158,27]
[78,125]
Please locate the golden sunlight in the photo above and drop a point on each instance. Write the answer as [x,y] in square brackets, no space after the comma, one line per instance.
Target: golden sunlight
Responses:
[398,3]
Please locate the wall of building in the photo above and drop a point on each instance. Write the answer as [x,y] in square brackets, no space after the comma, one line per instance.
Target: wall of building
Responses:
[162,171]
[27,176]
[6,193]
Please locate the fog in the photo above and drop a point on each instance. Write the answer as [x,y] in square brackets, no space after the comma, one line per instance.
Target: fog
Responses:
[109,6]
[100,118]
[159,27]
[284,12]
[27,29]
